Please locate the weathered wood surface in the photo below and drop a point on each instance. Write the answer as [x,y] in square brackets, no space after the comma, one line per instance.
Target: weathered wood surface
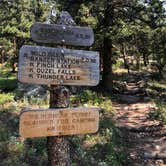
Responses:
[62,34]
[58,148]
[55,66]
[57,122]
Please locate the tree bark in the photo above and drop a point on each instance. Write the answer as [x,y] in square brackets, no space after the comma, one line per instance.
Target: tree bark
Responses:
[125,59]
[14,55]
[107,77]
[58,147]
[137,62]
[58,151]
[145,60]
[124,56]
[2,56]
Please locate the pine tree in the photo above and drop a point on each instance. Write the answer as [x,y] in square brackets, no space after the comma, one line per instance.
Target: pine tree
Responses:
[16,18]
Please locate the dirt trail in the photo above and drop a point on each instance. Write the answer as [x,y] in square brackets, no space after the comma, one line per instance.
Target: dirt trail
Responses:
[144,139]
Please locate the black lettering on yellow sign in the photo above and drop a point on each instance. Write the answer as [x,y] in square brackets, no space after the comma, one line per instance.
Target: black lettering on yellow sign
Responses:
[66,127]
[52,128]
[38,122]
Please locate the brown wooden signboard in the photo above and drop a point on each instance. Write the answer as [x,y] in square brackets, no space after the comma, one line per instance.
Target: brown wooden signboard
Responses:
[62,34]
[56,122]
[55,66]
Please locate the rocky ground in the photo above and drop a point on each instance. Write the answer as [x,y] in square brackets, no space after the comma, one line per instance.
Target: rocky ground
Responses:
[144,138]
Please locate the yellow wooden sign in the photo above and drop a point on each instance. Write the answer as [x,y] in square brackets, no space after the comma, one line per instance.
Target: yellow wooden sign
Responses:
[56,122]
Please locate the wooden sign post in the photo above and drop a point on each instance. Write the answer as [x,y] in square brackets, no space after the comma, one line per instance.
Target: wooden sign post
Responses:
[56,67]
[70,35]
[57,122]
[58,147]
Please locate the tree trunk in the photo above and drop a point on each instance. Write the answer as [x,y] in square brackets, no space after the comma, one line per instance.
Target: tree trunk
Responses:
[160,70]
[137,62]
[14,55]
[145,60]
[58,151]
[2,56]
[125,59]
[107,77]
[58,147]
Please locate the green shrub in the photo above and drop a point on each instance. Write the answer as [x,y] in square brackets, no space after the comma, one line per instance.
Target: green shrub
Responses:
[8,84]
[91,98]
[160,112]
[8,81]
[6,97]
[117,65]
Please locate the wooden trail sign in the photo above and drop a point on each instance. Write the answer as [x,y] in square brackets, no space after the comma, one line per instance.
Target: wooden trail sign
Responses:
[62,34]
[56,122]
[58,66]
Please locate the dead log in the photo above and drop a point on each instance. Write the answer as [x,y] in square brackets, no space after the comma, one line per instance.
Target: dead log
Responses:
[125,98]
[145,129]
[135,91]
[131,86]
[154,156]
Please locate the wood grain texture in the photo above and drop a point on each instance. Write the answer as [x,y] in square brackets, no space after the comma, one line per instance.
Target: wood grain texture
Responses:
[58,66]
[62,34]
[57,122]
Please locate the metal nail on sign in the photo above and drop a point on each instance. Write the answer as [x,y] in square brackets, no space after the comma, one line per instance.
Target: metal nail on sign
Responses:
[56,122]
[54,66]
[62,34]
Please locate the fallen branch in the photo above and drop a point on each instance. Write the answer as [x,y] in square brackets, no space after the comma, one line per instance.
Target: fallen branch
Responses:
[154,156]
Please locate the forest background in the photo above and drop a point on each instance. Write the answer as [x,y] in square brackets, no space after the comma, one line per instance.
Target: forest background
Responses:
[131,39]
